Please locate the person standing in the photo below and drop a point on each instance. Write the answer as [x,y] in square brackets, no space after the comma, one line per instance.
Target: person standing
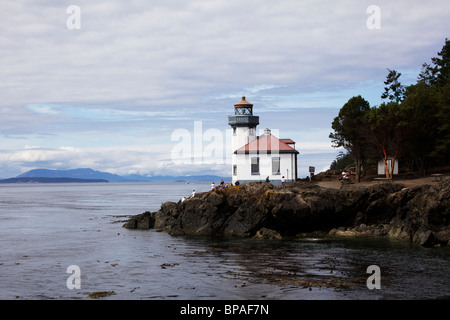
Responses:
[213,186]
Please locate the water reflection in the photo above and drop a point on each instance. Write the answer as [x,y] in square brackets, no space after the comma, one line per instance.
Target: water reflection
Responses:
[327,268]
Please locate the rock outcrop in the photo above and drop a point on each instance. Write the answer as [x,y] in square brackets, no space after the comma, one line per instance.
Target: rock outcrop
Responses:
[263,211]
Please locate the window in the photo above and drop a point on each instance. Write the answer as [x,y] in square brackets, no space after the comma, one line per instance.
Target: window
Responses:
[252,131]
[234,170]
[243,111]
[255,165]
[234,131]
[275,165]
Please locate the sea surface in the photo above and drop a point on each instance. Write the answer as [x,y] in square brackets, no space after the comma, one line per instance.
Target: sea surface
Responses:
[47,229]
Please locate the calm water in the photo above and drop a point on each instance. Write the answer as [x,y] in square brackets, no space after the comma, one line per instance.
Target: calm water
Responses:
[44,228]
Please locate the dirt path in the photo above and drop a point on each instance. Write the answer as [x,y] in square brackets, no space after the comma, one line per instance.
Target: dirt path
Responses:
[336,184]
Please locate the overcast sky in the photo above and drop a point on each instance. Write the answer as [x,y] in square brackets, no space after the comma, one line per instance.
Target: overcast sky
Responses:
[113,94]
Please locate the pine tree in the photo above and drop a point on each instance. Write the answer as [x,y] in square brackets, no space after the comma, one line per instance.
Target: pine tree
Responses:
[350,128]
[394,90]
[437,74]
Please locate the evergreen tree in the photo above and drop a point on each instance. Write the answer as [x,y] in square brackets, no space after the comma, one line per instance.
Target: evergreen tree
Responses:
[442,145]
[394,90]
[413,124]
[442,65]
[350,130]
[386,127]
[438,74]
[426,75]
[437,78]
[419,112]
[342,161]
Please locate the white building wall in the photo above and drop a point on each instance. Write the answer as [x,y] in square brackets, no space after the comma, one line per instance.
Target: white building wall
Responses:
[242,136]
[244,172]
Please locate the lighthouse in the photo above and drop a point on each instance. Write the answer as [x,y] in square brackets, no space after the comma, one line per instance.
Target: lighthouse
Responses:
[243,124]
[257,158]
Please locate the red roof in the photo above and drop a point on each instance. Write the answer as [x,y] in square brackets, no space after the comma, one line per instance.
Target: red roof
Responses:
[243,103]
[266,143]
[287,141]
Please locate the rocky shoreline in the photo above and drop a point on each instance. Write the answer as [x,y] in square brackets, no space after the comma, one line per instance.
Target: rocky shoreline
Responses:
[261,210]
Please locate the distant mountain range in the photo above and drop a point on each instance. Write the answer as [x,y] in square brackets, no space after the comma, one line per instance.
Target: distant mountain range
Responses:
[90,175]
[50,180]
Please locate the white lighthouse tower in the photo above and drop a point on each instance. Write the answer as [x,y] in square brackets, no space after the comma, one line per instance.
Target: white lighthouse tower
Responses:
[243,124]
[257,158]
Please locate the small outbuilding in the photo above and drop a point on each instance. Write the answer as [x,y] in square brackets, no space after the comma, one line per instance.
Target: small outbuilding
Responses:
[382,169]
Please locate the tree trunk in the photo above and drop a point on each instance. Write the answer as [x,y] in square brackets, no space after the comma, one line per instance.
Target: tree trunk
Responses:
[386,170]
[358,169]
[393,166]
[421,166]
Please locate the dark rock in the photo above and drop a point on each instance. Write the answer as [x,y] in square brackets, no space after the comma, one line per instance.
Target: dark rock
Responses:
[141,221]
[267,234]
[249,217]
[424,238]
[419,214]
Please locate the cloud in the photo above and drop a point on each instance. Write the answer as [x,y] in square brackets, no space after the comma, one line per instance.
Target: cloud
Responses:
[167,51]
[138,70]
[150,160]
[18,119]
[117,160]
